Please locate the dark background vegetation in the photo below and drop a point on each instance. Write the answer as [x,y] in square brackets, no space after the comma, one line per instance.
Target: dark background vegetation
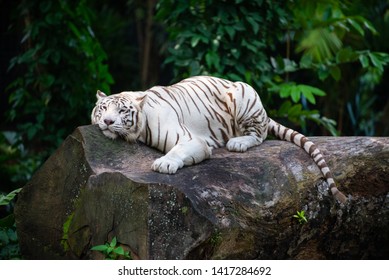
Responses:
[319,66]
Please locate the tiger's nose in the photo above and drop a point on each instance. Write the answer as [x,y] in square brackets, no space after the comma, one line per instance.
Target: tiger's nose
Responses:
[108,121]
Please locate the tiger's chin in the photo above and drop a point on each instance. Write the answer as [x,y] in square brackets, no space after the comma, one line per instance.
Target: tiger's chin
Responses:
[110,134]
[129,137]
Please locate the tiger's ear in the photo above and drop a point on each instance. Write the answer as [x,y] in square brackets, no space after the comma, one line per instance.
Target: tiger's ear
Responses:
[100,94]
[141,99]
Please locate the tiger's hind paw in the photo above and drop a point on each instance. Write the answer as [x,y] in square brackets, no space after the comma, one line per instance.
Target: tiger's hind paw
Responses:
[167,165]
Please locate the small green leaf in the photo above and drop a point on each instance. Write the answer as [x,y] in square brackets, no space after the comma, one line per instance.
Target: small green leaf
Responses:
[308,94]
[127,255]
[295,111]
[364,60]
[119,250]
[6,199]
[335,73]
[317,91]
[346,55]
[249,46]
[230,31]
[109,250]
[234,77]
[376,60]
[195,40]
[235,53]
[47,80]
[295,93]
[301,217]
[323,73]
[254,24]
[4,239]
[285,91]
[368,25]
[75,30]
[194,68]
[208,59]
[284,108]
[289,65]
[113,242]
[306,61]
[356,26]
[100,248]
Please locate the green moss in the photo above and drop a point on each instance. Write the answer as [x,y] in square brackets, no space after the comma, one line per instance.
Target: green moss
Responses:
[184,210]
[216,238]
[65,232]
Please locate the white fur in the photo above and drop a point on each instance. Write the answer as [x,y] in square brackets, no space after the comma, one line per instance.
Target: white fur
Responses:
[188,124]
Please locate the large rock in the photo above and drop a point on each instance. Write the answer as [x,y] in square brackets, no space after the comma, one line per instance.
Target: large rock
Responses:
[235,205]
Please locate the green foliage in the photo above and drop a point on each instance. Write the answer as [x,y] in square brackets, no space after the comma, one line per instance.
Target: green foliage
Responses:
[332,43]
[65,232]
[300,216]
[235,41]
[9,246]
[112,250]
[184,210]
[114,26]
[6,199]
[226,40]
[241,40]
[322,39]
[297,91]
[16,165]
[62,67]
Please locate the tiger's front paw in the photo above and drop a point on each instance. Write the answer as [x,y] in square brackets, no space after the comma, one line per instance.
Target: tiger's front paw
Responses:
[167,165]
[234,145]
[242,143]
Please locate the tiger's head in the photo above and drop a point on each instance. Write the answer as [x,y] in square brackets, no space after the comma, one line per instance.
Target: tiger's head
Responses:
[119,114]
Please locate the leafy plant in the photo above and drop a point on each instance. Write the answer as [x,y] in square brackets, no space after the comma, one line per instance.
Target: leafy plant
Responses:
[300,216]
[54,91]
[332,42]
[229,40]
[65,232]
[6,199]
[269,45]
[112,251]
[16,165]
[236,41]
[9,246]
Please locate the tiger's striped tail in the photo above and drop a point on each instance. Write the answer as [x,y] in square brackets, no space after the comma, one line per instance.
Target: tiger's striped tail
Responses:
[300,140]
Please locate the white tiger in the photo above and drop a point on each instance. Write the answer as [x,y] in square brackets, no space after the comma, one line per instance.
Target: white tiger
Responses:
[190,118]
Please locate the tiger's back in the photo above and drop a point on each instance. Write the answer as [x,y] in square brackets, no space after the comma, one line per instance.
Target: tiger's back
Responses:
[190,118]
[206,107]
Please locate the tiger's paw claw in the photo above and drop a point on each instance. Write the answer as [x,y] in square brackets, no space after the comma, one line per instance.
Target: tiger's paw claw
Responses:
[167,165]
